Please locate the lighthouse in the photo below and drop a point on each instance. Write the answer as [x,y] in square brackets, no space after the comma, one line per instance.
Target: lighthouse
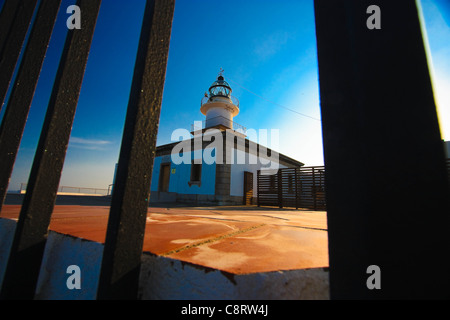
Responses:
[220,107]
[190,170]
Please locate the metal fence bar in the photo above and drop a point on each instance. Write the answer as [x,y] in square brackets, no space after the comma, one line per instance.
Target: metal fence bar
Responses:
[279,179]
[13,43]
[387,195]
[121,262]
[32,228]
[258,187]
[313,189]
[16,113]
[297,189]
[7,16]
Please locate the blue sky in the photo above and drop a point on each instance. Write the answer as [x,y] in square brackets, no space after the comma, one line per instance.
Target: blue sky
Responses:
[267,49]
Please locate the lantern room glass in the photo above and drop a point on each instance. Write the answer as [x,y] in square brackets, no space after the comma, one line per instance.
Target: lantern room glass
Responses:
[220,88]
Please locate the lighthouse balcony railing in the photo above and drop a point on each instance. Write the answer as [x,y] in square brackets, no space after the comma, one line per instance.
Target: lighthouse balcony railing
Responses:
[207,99]
[218,122]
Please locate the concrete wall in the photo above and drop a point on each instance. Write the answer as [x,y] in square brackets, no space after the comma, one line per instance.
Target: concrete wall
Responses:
[167,279]
[61,252]
[161,277]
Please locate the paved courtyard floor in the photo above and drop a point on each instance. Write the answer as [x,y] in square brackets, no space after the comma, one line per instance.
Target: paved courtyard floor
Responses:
[238,240]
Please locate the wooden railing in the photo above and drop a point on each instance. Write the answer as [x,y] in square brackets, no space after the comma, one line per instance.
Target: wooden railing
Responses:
[292,187]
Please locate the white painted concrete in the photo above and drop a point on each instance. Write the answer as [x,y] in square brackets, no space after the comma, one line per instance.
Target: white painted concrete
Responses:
[245,162]
[62,251]
[161,277]
[221,102]
[219,115]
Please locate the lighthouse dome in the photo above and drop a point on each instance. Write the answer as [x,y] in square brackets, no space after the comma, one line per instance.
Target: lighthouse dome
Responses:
[220,88]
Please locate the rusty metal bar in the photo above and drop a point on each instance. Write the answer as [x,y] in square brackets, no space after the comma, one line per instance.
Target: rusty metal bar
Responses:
[13,41]
[32,228]
[121,262]
[16,113]
[7,16]
[386,190]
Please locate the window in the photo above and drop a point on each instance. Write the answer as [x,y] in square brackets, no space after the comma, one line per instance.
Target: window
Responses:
[196,174]
[164,177]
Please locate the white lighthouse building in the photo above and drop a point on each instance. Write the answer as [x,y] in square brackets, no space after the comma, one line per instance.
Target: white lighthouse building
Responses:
[219,107]
[227,182]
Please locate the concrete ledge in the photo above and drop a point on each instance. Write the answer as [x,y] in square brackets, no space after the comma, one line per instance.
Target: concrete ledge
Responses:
[161,277]
[62,251]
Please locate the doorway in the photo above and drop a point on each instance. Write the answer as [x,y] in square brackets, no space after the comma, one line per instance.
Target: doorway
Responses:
[248,188]
[164,177]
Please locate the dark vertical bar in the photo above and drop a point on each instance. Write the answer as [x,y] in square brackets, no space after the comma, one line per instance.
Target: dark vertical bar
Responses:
[32,228]
[280,188]
[314,189]
[244,198]
[296,188]
[7,16]
[16,113]
[300,187]
[120,268]
[13,42]
[258,186]
[387,195]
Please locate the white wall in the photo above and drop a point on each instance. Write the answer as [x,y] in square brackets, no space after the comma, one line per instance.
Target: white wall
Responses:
[225,117]
[237,172]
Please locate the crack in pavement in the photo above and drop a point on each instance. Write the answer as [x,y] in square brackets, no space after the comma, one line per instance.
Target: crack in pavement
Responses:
[207,241]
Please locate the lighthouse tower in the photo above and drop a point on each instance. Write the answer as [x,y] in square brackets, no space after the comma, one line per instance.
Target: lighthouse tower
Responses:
[219,106]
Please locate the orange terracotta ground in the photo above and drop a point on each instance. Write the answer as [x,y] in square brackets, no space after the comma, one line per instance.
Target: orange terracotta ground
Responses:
[238,240]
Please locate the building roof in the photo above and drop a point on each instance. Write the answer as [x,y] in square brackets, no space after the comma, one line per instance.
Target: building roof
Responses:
[249,146]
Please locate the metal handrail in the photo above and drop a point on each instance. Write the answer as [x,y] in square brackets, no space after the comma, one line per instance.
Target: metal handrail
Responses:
[234,126]
[207,99]
[110,187]
[93,191]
